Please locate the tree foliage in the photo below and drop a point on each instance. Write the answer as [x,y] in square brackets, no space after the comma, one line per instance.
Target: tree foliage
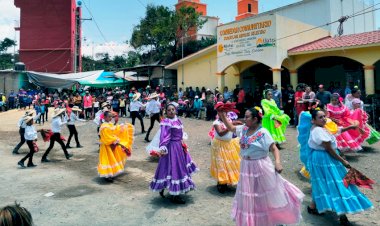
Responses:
[157,35]
[5,44]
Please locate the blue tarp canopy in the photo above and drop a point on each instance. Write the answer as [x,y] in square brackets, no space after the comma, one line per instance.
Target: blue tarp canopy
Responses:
[105,80]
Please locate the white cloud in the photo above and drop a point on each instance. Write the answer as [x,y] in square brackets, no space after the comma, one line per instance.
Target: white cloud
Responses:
[9,15]
[112,48]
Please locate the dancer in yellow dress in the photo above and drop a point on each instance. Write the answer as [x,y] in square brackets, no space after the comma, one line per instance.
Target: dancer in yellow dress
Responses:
[225,159]
[115,147]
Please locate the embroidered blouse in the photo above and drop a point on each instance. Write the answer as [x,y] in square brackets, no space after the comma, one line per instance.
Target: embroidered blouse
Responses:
[255,146]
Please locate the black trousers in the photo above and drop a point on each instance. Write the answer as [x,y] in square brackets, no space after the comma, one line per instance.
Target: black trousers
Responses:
[123,112]
[46,113]
[22,141]
[155,117]
[87,113]
[73,131]
[30,154]
[134,115]
[56,137]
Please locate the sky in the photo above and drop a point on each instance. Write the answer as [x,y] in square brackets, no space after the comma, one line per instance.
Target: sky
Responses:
[116,19]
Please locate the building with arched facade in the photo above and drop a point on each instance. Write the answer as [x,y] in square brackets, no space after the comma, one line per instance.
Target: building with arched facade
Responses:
[296,43]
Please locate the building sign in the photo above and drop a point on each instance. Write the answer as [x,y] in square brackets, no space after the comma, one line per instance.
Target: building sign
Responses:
[253,39]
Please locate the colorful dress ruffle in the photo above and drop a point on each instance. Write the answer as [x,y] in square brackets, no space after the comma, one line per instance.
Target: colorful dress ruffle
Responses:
[274,120]
[112,157]
[175,168]
[361,116]
[328,190]
[264,197]
[348,140]
[327,173]
[225,161]
[374,135]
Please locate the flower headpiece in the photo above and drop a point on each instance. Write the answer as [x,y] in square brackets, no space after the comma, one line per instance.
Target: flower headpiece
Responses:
[259,110]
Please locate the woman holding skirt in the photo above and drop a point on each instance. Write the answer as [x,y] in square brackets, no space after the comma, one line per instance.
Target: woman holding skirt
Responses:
[262,197]
[115,147]
[327,170]
[225,159]
[274,120]
[175,166]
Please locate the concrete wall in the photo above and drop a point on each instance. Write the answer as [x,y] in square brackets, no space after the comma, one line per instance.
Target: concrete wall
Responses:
[10,80]
[202,72]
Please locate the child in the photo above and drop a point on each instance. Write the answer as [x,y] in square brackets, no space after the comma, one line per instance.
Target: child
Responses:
[31,138]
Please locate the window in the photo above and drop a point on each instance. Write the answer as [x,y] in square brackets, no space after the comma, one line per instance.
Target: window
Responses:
[249,8]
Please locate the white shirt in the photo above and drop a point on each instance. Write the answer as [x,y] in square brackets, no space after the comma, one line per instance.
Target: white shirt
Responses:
[56,124]
[153,107]
[30,133]
[318,135]
[96,104]
[21,123]
[227,136]
[73,118]
[258,143]
[135,106]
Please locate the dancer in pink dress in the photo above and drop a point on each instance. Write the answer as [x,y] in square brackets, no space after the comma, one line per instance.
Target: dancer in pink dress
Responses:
[263,196]
[340,114]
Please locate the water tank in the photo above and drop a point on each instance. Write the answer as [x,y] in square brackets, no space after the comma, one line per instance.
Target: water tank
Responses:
[19,66]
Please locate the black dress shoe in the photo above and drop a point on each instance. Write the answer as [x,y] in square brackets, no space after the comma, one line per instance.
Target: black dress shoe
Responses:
[313,211]
[79,146]
[68,156]
[31,165]
[15,152]
[45,160]
[68,146]
[146,139]
[21,164]
[344,221]
[143,132]
[162,193]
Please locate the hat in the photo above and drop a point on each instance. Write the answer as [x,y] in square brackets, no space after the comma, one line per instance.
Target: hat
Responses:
[153,95]
[133,89]
[136,96]
[76,108]
[87,91]
[105,104]
[196,97]
[356,101]
[29,113]
[58,111]
[27,119]
[208,89]
[320,86]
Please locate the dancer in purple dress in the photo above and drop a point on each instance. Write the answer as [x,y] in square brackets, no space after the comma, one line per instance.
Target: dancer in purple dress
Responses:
[175,166]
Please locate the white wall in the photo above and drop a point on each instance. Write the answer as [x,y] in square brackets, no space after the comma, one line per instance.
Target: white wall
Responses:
[209,28]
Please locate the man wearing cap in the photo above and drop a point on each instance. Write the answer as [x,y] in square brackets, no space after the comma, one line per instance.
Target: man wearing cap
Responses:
[22,125]
[71,119]
[153,109]
[87,105]
[56,125]
[135,108]
[277,96]
[323,96]
[197,106]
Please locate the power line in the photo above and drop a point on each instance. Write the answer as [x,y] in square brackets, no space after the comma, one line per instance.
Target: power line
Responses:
[97,26]
[142,3]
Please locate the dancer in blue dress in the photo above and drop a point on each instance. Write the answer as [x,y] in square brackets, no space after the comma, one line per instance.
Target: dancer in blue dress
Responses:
[327,170]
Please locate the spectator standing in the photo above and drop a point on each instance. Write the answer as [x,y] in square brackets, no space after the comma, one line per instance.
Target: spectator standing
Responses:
[122,105]
[289,103]
[12,99]
[191,93]
[323,96]
[197,107]
[87,105]
[77,100]
[226,94]
[308,95]
[277,96]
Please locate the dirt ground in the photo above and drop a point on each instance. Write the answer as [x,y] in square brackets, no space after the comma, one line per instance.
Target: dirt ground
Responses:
[81,198]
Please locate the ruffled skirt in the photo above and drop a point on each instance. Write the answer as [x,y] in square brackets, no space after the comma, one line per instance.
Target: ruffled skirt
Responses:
[263,197]
[277,131]
[374,135]
[328,190]
[174,171]
[111,162]
[225,161]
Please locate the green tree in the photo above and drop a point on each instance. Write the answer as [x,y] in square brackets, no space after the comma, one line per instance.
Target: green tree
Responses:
[119,62]
[159,32]
[6,43]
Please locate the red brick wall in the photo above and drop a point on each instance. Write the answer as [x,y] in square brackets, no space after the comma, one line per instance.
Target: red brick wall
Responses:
[47,34]
[243,9]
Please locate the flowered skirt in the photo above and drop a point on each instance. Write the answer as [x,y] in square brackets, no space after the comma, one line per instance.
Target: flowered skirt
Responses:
[225,161]
[264,197]
[174,171]
[328,190]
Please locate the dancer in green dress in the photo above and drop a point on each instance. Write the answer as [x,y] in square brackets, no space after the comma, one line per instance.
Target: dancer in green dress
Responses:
[274,119]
